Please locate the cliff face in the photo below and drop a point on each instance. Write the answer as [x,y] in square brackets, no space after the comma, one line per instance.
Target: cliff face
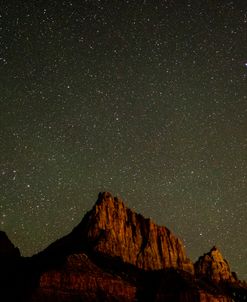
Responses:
[115,254]
[83,280]
[115,230]
[161,270]
[213,267]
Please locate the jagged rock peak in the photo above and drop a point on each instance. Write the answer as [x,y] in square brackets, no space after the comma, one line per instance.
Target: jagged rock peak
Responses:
[115,230]
[213,266]
[108,200]
[104,197]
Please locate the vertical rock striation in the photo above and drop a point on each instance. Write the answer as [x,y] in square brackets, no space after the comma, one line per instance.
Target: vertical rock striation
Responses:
[213,267]
[114,229]
[84,281]
[115,254]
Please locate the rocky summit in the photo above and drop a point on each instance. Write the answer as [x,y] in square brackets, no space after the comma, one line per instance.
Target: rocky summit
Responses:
[117,231]
[115,254]
[212,266]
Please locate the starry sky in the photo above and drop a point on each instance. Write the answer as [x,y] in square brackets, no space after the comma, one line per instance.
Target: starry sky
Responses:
[145,99]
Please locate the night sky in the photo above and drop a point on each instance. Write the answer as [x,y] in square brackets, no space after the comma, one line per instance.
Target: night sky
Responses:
[145,99]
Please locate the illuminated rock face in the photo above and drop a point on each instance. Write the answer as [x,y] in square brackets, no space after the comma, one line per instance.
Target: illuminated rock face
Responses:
[213,267]
[115,254]
[116,230]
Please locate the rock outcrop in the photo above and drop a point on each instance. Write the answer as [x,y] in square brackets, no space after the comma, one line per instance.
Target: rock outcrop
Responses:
[115,254]
[114,229]
[214,267]
[85,281]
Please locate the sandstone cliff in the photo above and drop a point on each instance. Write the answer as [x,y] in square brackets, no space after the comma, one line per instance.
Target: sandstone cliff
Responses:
[152,265]
[114,229]
[214,267]
[81,280]
[115,254]
[84,281]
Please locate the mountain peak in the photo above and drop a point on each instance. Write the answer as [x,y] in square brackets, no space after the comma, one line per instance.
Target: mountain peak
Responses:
[107,199]
[214,248]
[104,197]
[116,254]
[115,230]
[213,266]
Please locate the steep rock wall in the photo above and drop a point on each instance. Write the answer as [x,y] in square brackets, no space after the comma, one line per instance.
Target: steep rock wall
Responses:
[114,229]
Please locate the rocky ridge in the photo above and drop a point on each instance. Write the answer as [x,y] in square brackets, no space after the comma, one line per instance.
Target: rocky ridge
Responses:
[115,254]
[84,280]
[118,231]
[214,267]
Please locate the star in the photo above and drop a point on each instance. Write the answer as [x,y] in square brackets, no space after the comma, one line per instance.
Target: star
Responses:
[151,107]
